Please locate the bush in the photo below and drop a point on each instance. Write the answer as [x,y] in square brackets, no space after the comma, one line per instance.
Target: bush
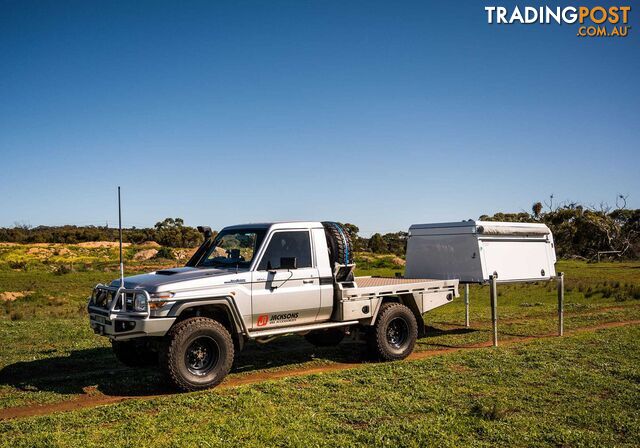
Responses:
[619,297]
[62,269]
[165,253]
[493,411]
[173,233]
[18,264]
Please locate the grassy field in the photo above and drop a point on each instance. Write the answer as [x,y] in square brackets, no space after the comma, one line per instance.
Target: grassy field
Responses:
[579,390]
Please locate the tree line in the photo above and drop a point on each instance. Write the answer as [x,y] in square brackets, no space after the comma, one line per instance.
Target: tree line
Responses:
[171,232]
[579,232]
[583,232]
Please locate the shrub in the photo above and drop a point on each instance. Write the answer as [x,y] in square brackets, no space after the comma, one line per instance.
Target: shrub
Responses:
[166,253]
[619,297]
[62,269]
[18,264]
[493,412]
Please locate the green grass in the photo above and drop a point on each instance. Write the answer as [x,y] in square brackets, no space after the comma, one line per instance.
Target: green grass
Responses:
[581,390]
[58,285]
[518,395]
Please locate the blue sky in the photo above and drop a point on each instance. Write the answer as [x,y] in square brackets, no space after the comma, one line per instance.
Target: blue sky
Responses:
[378,113]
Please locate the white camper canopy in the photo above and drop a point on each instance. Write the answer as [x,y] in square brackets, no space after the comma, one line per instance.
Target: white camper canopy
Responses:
[473,250]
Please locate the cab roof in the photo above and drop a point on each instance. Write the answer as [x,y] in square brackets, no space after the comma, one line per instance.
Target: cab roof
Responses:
[278,225]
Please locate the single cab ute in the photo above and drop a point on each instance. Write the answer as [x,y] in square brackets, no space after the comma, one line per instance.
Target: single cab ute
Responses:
[256,282]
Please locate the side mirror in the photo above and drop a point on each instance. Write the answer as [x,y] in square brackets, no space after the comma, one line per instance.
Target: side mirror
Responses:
[288,263]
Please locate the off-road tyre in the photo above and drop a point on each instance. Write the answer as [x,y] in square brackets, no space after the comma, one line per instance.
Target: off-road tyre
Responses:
[394,334]
[325,338]
[339,242]
[198,354]
[134,353]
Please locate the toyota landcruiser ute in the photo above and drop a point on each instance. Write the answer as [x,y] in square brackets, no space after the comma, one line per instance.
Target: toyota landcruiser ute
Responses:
[257,282]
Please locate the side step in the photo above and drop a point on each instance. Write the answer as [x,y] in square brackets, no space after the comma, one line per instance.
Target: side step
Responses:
[299,329]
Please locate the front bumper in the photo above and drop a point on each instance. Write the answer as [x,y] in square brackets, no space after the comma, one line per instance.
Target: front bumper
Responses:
[114,321]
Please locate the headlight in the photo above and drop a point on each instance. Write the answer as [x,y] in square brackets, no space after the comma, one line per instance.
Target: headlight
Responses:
[140,302]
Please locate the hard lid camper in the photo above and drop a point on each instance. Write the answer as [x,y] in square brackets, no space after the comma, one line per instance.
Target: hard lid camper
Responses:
[471,251]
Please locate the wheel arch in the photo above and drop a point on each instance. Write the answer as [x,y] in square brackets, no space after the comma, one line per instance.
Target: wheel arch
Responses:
[222,309]
[405,299]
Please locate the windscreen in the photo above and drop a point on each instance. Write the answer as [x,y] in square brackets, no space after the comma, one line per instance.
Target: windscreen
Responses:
[233,248]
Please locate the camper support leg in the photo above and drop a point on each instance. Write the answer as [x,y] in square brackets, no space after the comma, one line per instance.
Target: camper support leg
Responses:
[494,308]
[466,305]
[560,280]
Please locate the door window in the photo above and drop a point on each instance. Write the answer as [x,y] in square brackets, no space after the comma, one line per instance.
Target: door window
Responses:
[286,245]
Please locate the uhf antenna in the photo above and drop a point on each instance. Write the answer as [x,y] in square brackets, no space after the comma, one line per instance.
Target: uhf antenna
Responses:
[120,232]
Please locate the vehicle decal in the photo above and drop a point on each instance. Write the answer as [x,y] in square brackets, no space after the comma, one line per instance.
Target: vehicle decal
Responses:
[283,317]
[278,318]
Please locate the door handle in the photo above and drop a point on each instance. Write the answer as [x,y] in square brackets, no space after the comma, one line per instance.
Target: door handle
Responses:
[307,281]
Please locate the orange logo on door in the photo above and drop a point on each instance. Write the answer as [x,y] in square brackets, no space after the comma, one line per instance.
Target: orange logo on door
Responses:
[263,320]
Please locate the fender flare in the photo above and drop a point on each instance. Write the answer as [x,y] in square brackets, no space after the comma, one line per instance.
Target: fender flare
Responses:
[225,301]
[407,300]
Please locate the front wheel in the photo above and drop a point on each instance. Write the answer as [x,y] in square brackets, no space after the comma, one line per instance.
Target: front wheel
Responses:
[198,355]
[394,334]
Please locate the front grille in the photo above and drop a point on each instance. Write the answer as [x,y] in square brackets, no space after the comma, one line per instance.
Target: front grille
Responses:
[129,301]
[103,298]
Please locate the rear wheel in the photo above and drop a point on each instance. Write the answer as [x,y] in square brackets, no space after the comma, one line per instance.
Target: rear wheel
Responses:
[325,338]
[394,334]
[199,354]
[134,353]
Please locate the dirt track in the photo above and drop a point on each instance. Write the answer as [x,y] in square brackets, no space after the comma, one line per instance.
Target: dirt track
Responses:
[93,398]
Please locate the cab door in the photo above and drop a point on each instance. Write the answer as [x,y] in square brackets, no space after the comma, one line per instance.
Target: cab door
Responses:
[284,293]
